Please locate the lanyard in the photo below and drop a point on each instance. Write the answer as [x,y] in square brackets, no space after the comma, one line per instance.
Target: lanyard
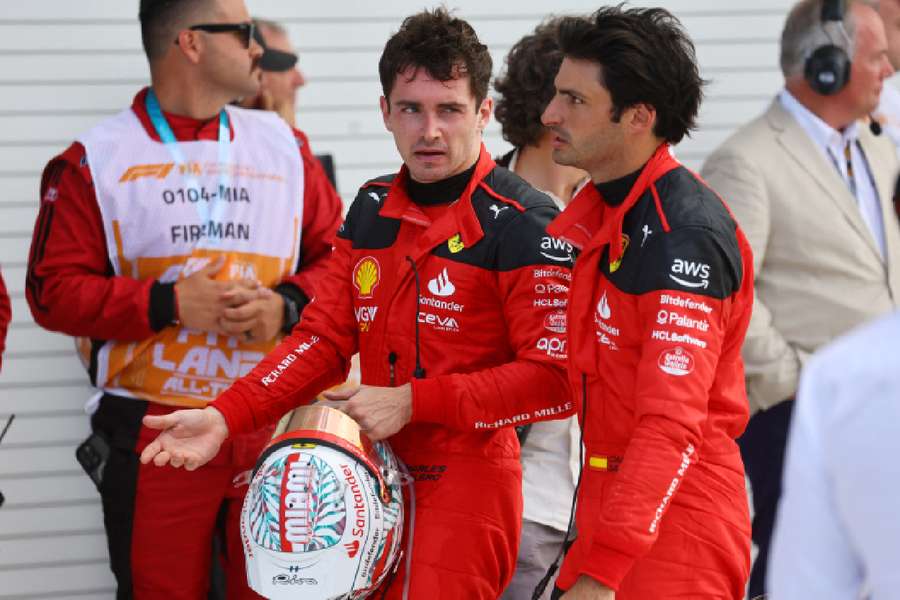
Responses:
[167,136]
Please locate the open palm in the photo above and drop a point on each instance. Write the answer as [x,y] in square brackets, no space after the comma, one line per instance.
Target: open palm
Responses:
[189,438]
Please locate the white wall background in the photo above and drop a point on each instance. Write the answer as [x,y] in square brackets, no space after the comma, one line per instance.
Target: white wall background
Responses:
[66,65]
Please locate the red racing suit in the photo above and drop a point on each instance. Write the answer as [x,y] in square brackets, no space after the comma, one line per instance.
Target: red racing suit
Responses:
[5,317]
[159,522]
[659,305]
[489,310]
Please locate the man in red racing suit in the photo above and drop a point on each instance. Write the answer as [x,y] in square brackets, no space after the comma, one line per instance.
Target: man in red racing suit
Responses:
[455,302]
[658,308]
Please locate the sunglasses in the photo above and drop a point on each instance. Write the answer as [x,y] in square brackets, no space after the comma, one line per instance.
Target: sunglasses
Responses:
[244,30]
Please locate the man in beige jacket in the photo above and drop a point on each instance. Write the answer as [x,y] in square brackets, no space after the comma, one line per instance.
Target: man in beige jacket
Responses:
[811,187]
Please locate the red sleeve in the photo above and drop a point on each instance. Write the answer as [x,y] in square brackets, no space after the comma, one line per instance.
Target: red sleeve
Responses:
[5,317]
[70,287]
[321,219]
[534,386]
[314,357]
[677,367]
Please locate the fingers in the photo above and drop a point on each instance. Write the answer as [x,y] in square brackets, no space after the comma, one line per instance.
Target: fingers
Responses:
[162,421]
[152,449]
[248,312]
[344,394]
[161,459]
[213,268]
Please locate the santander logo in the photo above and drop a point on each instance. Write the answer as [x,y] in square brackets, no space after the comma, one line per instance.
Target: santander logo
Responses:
[352,548]
[441,285]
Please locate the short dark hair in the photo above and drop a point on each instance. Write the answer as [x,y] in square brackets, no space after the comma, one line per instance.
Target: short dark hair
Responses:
[443,45]
[161,20]
[645,57]
[527,85]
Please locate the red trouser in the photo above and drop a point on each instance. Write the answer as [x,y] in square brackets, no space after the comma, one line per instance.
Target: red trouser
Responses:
[466,532]
[160,522]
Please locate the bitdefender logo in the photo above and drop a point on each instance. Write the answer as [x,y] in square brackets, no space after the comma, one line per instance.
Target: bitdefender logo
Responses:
[352,548]
[441,285]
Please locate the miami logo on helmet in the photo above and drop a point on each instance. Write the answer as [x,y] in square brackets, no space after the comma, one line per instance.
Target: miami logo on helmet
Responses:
[366,275]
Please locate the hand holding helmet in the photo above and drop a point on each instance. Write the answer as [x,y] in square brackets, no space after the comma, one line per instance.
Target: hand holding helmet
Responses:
[190,438]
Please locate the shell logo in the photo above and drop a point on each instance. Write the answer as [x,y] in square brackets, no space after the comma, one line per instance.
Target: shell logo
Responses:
[366,275]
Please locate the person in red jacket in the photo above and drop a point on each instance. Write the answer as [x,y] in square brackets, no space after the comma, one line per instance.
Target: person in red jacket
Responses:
[178,241]
[444,279]
[659,304]
[5,317]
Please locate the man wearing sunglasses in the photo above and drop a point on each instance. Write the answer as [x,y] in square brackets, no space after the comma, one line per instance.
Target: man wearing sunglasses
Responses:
[178,240]
[280,78]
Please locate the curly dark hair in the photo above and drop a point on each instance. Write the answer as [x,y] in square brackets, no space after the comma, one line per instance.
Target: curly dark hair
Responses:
[526,87]
[645,57]
[443,45]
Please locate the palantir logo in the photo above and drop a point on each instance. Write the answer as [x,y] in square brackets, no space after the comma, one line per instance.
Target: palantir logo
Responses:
[441,285]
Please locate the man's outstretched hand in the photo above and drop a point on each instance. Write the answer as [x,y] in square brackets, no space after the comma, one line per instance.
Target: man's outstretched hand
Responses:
[189,438]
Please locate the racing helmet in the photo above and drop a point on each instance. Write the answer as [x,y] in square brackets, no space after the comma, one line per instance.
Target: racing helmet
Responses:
[323,516]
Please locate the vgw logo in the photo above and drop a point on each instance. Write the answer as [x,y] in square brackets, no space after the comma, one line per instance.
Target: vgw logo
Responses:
[365,316]
[552,247]
[690,269]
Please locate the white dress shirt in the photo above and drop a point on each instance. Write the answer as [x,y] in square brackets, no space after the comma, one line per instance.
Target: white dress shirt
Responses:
[832,143]
[837,534]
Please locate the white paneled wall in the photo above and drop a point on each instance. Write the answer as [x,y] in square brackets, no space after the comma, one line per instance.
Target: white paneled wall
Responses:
[66,65]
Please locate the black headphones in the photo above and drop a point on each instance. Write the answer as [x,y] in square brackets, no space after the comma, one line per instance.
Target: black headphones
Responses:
[827,69]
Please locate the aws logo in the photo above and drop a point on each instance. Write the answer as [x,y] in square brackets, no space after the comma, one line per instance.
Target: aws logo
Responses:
[159,171]
[695,270]
[366,275]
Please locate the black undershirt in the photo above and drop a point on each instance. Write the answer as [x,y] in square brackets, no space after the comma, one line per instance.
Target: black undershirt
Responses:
[614,192]
[444,191]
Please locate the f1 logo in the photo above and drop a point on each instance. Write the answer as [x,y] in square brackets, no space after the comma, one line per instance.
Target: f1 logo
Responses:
[160,171]
[352,548]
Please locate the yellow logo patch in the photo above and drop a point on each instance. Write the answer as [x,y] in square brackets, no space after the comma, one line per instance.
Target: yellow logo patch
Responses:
[455,244]
[366,275]
[615,264]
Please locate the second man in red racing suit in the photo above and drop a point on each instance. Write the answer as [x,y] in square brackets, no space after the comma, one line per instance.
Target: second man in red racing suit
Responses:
[659,305]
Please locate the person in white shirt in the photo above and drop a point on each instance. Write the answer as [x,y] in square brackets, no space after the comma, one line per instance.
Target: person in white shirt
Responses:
[550,450]
[837,535]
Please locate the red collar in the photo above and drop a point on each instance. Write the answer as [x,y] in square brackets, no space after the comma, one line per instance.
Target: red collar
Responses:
[459,218]
[186,129]
[589,220]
